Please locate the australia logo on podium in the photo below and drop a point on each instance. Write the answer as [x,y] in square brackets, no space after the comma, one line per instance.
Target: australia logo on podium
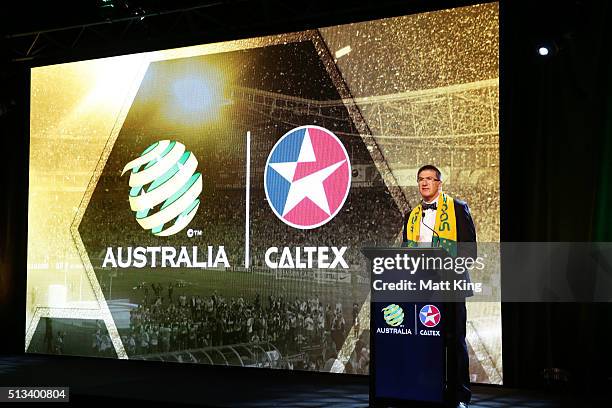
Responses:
[430,316]
[393,315]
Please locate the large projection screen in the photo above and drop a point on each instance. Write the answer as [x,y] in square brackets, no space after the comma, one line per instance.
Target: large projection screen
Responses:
[208,204]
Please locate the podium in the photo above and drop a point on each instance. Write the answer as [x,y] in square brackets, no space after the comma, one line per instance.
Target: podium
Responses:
[410,336]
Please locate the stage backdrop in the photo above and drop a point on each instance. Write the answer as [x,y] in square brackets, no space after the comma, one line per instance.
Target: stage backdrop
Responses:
[208,204]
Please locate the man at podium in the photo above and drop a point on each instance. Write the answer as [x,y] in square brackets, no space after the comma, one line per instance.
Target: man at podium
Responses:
[441,221]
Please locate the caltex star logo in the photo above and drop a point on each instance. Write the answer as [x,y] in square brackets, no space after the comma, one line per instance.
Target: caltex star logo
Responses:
[430,316]
[307,177]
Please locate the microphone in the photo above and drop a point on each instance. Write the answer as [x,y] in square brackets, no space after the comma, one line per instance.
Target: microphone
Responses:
[428,227]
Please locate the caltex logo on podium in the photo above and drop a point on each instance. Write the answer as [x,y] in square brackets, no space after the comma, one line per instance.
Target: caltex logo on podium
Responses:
[430,316]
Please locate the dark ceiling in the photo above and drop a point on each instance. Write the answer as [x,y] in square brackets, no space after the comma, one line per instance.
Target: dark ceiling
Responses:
[47,32]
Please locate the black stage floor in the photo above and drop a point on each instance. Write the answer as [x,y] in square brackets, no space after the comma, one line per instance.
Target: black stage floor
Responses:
[107,382]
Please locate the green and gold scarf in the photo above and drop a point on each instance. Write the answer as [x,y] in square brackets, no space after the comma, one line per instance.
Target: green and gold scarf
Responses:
[446,225]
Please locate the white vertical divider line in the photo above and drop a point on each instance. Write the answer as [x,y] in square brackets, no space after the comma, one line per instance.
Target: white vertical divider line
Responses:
[247,231]
[416,317]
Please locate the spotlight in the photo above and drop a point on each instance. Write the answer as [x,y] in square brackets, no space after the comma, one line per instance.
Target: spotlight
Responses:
[543,51]
[548,48]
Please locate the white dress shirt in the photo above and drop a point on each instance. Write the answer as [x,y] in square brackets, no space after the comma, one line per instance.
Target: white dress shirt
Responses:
[426,234]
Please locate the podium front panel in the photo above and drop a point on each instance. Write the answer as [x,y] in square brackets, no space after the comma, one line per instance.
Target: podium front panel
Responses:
[408,352]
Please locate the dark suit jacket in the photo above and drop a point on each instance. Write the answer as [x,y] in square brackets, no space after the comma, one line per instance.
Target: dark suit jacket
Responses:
[466,231]
[466,238]
[466,235]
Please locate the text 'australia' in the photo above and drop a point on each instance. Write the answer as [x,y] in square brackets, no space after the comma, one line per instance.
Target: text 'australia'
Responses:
[164,257]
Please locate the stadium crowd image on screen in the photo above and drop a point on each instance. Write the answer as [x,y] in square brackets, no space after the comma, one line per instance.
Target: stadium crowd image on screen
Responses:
[209,204]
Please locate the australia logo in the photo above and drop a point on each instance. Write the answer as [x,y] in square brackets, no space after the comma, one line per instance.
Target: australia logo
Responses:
[165,187]
[393,315]
[307,177]
[430,316]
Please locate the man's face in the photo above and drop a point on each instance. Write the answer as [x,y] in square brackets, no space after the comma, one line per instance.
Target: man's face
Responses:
[429,185]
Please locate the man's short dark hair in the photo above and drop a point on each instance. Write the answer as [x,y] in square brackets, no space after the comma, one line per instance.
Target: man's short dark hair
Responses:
[430,167]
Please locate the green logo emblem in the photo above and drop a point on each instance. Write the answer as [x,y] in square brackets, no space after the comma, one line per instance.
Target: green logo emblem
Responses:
[165,173]
[393,314]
